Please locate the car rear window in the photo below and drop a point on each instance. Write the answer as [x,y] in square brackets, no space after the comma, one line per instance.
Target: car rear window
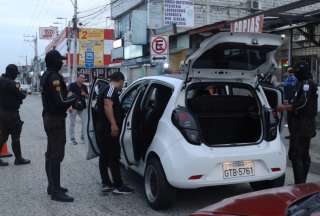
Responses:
[234,56]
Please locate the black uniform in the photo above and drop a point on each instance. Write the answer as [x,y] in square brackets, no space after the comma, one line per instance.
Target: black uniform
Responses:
[11,98]
[55,104]
[109,146]
[303,126]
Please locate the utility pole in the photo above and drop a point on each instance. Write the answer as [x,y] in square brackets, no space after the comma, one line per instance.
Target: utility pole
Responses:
[36,74]
[75,38]
[69,40]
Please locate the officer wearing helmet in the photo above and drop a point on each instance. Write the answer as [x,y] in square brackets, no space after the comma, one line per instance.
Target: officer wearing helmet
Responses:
[56,101]
[303,107]
[11,97]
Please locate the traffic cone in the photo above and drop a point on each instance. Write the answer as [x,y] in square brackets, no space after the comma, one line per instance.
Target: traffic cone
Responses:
[4,152]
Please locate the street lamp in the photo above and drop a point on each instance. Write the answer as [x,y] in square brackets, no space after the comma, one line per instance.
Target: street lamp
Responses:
[65,20]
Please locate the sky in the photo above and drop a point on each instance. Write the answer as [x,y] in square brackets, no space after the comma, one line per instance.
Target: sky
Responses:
[24,17]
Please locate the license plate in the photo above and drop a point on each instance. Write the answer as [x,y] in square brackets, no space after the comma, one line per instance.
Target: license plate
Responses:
[237,169]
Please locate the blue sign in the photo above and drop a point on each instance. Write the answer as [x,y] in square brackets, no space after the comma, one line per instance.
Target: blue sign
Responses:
[89,59]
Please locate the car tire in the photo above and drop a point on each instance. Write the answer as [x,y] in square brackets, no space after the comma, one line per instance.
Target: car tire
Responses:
[261,185]
[159,193]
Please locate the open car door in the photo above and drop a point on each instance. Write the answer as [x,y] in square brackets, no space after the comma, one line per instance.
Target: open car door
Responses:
[131,101]
[236,56]
[275,98]
[96,88]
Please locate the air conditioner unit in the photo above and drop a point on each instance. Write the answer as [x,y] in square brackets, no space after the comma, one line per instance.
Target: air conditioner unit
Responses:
[254,4]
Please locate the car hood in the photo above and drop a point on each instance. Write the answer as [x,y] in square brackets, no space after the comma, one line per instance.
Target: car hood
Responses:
[266,202]
[258,40]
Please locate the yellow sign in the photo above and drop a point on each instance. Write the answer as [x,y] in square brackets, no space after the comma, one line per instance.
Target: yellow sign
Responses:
[91,34]
[97,47]
[91,40]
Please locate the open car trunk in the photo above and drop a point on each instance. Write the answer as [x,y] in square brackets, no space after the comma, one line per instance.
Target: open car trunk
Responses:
[232,117]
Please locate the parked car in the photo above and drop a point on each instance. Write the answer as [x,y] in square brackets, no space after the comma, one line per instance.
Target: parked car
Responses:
[26,88]
[212,126]
[299,200]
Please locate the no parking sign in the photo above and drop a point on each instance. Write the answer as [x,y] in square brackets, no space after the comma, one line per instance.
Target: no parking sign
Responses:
[159,48]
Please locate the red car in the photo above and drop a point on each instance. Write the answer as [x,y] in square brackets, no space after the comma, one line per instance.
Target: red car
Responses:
[299,200]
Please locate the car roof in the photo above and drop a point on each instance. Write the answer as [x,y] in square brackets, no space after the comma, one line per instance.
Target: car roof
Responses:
[168,78]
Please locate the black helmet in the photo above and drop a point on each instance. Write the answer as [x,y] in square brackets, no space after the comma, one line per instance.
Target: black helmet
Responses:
[53,60]
[12,71]
[302,71]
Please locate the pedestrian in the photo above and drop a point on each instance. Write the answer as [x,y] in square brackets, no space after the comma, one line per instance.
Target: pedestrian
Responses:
[289,85]
[80,90]
[11,98]
[56,101]
[303,108]
[108,132]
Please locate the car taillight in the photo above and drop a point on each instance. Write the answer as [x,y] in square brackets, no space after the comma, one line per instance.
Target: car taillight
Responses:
[271,131]
[187,125]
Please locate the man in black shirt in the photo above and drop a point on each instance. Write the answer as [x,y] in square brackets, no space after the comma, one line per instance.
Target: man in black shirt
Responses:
[304,109]
[78,108]
[108,132]
[11,98]
[55,104]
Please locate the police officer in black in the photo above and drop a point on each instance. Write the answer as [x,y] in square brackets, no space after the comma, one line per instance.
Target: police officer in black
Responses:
[108,132]
[11,98]
[55,101]
[303,107]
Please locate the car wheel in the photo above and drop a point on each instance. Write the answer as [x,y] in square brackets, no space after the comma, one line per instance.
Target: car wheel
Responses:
[159,193]
[261,185]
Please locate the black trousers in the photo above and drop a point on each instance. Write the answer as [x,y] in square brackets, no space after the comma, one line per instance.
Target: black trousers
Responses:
[55,128]
[11,125]
[109,158]
[300,157]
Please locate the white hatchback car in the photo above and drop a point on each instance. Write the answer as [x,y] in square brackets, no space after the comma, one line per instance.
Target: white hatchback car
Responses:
[213,126]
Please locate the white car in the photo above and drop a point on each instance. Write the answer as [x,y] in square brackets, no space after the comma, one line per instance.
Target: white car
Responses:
[26,88]
[213,126]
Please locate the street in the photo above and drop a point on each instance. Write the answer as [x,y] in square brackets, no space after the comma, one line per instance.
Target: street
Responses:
[23,188]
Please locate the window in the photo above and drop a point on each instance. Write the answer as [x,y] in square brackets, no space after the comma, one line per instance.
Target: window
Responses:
[242,92]
[128,99]
[234,56]
[157,97]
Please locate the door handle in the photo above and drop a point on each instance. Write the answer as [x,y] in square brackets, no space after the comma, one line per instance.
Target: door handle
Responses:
[128,126]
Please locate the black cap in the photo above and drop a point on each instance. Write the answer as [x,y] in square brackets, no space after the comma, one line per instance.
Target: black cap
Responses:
[53,60]
[302,71]
[12,68]
[54,54]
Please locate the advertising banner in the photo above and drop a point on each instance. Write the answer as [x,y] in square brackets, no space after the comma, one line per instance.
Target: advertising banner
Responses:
[97,47]
[179,12]
[48,33]
[93,40]
[252,25]
[91,34]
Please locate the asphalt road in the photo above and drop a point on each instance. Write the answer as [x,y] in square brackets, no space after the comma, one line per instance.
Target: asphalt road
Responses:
[23,188]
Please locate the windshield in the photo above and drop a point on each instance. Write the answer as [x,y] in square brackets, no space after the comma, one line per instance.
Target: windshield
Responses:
[235,56]
[306,207]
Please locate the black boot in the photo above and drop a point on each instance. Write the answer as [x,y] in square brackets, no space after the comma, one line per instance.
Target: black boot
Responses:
[299,172]
[21,161]
[48,171]
[16,147]
[57,194]
[2,163]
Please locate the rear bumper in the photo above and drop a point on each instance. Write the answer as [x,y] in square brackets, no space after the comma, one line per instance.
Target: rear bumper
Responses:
[208,163]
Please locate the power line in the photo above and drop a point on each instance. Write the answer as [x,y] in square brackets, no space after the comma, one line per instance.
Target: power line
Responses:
[92,9]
